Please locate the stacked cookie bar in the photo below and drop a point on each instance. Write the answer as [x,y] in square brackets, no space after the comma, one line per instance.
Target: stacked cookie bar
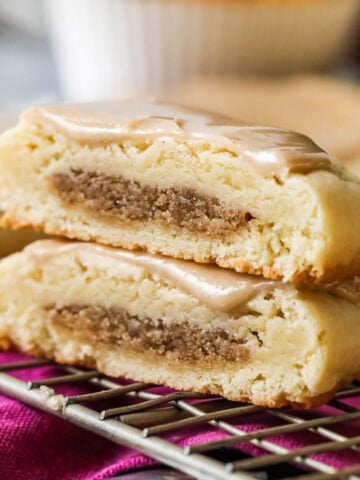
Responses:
[206,254]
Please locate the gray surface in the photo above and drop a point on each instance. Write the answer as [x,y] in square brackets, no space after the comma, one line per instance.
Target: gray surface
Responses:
[27,73]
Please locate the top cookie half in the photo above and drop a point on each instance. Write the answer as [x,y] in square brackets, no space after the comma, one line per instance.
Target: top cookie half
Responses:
[184,183]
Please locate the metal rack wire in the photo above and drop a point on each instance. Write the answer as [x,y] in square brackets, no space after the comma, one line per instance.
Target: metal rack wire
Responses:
[138,425]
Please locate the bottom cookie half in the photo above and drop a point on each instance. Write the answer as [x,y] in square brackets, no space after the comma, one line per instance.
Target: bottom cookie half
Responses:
[79,304]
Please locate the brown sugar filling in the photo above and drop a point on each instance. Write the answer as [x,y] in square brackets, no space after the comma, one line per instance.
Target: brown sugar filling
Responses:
[128,199]
[178,341]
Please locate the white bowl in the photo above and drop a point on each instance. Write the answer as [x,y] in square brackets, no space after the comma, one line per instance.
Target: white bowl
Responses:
[109,48]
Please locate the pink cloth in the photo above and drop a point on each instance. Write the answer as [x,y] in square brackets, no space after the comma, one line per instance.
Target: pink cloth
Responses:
[39,446]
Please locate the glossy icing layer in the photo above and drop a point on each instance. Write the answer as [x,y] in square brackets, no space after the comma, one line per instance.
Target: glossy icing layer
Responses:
[267,149]
[217,288]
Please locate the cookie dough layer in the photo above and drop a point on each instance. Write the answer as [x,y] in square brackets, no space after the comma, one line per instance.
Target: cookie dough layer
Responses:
[254,199]
[181,324]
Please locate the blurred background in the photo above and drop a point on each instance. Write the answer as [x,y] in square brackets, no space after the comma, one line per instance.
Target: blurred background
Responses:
[91,49]
[290,63]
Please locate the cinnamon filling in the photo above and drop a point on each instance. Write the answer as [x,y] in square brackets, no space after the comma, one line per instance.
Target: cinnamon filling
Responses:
[178,341]
[127,199]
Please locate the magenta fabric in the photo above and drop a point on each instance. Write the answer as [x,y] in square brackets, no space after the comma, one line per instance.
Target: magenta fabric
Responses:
[39,446]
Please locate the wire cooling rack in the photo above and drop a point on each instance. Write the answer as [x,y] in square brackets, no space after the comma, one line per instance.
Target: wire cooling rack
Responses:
[140,425]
